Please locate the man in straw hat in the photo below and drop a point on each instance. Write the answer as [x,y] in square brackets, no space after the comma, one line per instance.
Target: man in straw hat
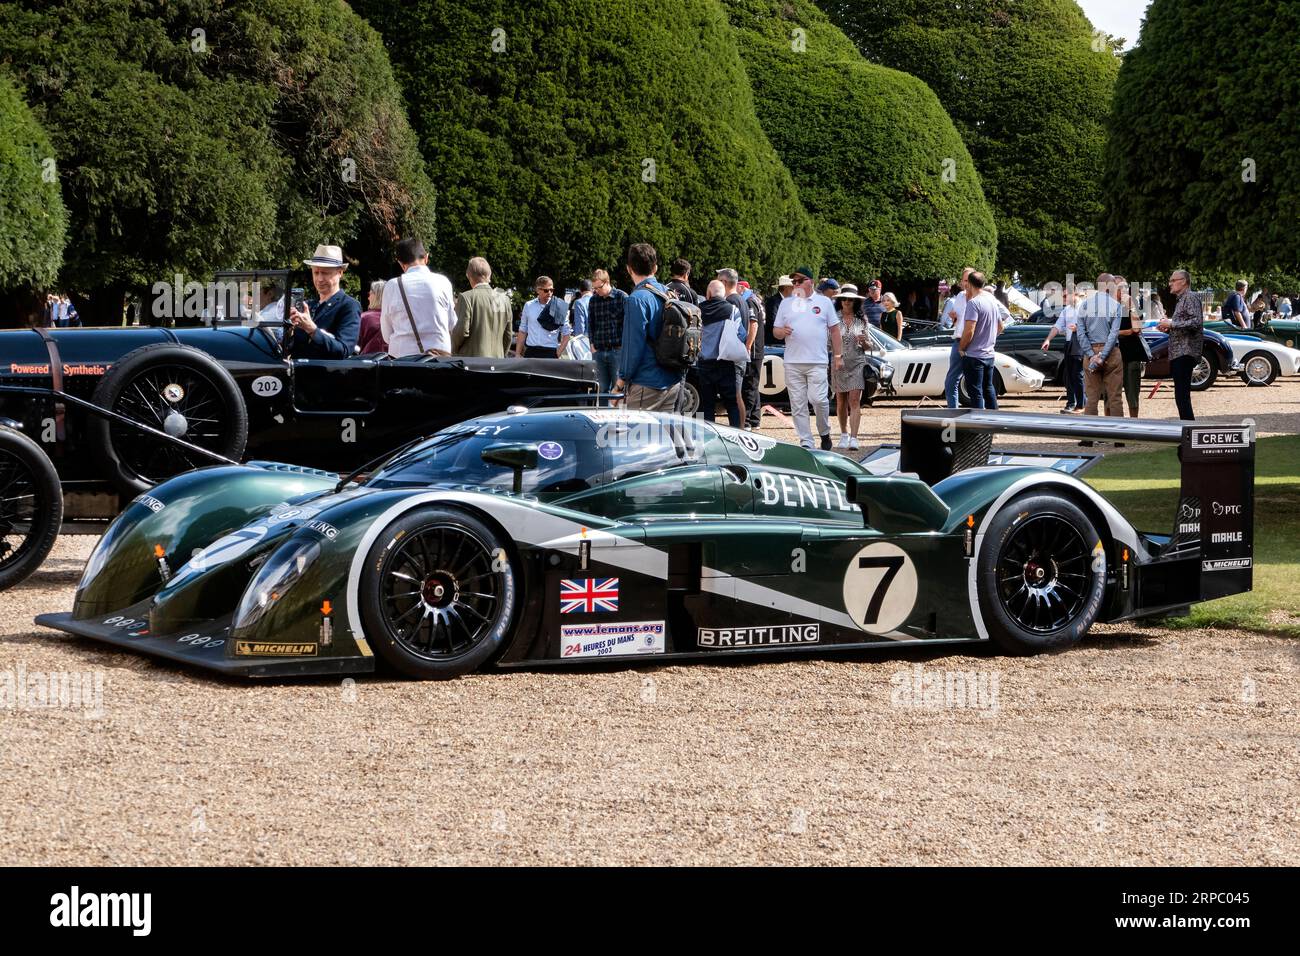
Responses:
[326,326]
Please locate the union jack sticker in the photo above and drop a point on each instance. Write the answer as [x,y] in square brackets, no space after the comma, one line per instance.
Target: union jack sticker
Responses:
[588,595]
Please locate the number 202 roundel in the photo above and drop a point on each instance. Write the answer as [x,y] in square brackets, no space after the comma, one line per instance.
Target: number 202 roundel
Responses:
[880,588]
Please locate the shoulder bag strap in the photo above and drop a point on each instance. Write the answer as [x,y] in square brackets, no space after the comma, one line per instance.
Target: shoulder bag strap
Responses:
[409,317]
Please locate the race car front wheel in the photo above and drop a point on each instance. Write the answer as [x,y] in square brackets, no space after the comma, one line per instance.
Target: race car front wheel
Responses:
[439,593]
[1041,575]
[31,506]
[174,389]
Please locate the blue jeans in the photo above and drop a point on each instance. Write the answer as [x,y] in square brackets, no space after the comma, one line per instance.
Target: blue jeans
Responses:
[953,378]
[606,369]
[979,381]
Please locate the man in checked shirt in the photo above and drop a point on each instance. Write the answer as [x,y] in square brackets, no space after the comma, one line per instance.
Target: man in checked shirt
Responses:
[605,326]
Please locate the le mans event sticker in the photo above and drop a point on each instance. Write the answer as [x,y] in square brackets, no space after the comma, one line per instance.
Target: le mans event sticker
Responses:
[622,639]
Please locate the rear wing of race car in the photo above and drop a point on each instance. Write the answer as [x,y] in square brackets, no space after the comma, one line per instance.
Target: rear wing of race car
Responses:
[1210,552]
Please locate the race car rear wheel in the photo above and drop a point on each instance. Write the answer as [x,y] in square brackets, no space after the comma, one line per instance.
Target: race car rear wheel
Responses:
[439,593]
[1040,576]
[175,389]
[31,507]
[1260,368]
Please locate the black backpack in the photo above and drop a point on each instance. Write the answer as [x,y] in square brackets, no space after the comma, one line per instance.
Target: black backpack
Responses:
[681,334]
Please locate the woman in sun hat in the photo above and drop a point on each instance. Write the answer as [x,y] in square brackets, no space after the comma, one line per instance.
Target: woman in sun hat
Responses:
[846,382]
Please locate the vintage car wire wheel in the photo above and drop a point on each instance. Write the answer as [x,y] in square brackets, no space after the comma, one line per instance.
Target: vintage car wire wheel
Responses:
[963,393]
[175,389]
[1040,580]
[690,398]
[31,506]
[440,593]
[1204,374]
[1260,368]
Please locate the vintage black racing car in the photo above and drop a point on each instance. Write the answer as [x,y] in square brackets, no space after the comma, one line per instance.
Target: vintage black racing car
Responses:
[581,535]
[224,385]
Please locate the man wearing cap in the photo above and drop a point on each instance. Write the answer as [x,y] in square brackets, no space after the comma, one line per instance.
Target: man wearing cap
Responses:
[419,307]
[801,323]
[873,308]
[327,326]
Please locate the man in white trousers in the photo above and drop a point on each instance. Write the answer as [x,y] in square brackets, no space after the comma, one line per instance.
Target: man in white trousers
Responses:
[802,322]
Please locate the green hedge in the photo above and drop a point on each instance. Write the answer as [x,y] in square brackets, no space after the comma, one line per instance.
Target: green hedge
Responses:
[867,146]
[191,151]
[541,150]
[33,221]
[1029,95]
[1210,96]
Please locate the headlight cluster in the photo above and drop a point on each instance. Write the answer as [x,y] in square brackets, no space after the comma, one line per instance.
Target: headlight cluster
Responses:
[282,570]
[886,372]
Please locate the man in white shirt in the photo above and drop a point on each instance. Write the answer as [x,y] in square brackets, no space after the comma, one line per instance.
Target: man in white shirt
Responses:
[802,322]
[419,309]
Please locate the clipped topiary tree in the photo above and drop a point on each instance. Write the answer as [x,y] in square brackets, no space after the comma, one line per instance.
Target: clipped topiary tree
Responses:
[558,132]
[1028,85]
[1202,164]
[33,221]
[877,161]
[199,136]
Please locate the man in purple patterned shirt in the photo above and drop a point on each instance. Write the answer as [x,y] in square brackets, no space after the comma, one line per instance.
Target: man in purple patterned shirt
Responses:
[1186,340]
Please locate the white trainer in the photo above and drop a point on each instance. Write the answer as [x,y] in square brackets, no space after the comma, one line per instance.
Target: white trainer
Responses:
[844,441]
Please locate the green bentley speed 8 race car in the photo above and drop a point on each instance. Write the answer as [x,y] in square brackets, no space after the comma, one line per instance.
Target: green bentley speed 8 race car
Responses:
[578,535]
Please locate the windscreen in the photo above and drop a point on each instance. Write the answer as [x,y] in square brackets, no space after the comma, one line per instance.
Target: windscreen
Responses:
[564,465]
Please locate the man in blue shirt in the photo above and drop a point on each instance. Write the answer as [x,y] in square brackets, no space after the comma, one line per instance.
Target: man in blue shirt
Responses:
[1098,319]
[873,308]
[544,327]
[581,302]
[647,384]
[1234,307]
[327,326]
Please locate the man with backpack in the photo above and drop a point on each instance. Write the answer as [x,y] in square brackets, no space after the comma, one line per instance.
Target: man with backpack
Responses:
[661,337]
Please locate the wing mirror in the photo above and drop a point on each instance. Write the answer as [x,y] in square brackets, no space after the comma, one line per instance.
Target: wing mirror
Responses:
[893,504]
[518,456]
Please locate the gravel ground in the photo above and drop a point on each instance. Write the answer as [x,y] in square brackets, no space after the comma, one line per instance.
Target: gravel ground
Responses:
[1140,747]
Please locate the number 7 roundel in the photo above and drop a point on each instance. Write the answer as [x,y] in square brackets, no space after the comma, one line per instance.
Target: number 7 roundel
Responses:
[880,587]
